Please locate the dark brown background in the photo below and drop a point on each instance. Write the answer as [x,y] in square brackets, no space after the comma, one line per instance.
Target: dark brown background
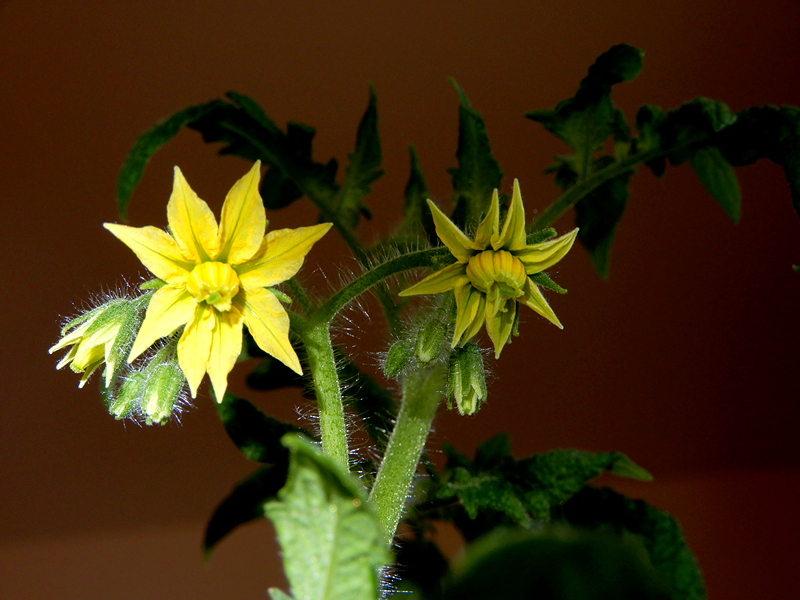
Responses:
[686,359]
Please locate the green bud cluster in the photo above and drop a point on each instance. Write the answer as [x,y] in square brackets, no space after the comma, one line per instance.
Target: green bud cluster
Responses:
[466,379]
[425,343]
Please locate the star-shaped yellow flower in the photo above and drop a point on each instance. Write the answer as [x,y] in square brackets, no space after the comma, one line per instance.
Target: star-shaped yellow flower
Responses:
[217,278]
[491,272]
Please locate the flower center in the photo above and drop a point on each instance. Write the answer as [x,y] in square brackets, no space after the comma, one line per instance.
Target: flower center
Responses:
[500,268]
[215,283]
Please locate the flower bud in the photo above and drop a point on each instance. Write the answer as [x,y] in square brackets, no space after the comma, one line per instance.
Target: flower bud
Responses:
[430,339]
[397,358]
[100,336]
[466,379]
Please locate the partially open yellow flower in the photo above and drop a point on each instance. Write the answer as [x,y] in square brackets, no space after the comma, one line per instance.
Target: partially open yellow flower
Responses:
[217,278]
[491,273]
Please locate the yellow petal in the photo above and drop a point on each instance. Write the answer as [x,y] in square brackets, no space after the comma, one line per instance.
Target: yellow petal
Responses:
[169,308]
[452,237]
[539,257]
[283,255]
[155,248]
[513,235]
[533,299]
[269,325]
[243,222]
[191,222]
[470,304]
[489,226]
[226,345]
[499,322]
[440,281]
[194,347]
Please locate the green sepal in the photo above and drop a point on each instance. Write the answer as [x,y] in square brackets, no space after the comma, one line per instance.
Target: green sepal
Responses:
[152,284]
[148,144]
[364,167]
[280,295]
[597,216]
[478,173]
[537,237]
[554,562]
[256,435]
[397,358]
[660,533]
[245,503]
[330,538]
[544,280]
[719,179]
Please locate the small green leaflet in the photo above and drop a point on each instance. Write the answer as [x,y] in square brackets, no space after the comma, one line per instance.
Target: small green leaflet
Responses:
[478,173]
[148,144]
[331,542]
[364,167]
[719,179]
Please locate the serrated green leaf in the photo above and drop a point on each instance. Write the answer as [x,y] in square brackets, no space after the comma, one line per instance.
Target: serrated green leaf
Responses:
[148,144]
[245,503]
[417,219]
[587,119]
[719,179]
[659,531]
[256,435]
[364,167]
[597,216]
[330,538]
[623,466]
[246,131]
[554,563]
[689,127]
[478,173]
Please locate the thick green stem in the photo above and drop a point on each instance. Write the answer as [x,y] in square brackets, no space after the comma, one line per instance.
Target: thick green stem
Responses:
[322,363]
[421,396]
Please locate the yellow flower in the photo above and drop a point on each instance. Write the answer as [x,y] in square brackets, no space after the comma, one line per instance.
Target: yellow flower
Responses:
[217,278]
[491,275]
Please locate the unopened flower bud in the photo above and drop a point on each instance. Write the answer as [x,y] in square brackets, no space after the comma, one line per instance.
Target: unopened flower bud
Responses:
[397,358]
[100,336]
[466,379]
[431,339]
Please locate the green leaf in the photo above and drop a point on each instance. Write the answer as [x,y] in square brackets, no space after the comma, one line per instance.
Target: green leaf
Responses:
[272,374]
[364,167]
[478,173]
[417,219]
[556,563]
[689,127]
[246,131]
[790,145]
[148,143]
[329,536]
[659,531]
[648,119]
[719,179]
[254,433]
[587,119]
[597,216]
[245,503]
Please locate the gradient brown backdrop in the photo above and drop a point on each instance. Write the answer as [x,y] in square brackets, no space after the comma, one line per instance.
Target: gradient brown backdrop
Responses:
[687,359]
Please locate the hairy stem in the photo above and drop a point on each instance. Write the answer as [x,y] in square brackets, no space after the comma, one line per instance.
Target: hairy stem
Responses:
[421,397]
[322,363]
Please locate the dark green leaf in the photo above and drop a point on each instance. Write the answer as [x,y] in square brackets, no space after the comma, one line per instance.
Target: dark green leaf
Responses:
[148,143]
[254,433]
[648,120]
[364,167]
[244,503]
[417,219]
[272,374]
[790,145]
[587,119]
[554,563]
[719,179]
[330,538]
[661,534]
[246,131]
[478,173]
[597,216]
[690,126]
